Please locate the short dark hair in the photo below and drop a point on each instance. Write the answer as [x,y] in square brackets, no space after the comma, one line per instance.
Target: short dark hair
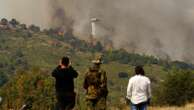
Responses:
[139,70]
[65,61]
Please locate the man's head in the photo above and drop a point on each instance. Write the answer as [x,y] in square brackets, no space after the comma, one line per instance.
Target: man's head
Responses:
[97,62]
[65,61]
[139,70]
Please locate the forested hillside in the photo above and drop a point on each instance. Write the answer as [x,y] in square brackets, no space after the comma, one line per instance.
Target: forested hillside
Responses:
[28,55]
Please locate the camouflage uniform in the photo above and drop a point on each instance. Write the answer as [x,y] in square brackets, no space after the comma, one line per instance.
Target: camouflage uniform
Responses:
[95,84]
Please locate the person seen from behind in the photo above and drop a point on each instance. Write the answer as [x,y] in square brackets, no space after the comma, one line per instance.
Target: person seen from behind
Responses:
[64,75]
[95,84]
[139,90]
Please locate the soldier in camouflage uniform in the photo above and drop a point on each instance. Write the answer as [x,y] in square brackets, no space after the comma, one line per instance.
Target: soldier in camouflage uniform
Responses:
[95,84]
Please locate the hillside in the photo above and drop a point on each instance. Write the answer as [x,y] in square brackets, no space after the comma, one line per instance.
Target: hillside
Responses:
[29,54]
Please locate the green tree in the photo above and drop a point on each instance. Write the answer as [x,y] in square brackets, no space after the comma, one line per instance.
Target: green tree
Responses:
[34,28]
[177,88]
[14,22]
[98,47]
[4,21]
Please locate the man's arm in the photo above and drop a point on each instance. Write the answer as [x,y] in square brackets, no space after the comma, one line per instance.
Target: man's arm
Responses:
[103,85]
[85,85]
[103,80]
[149,90]
[74,72]
[54,73]
[129,89]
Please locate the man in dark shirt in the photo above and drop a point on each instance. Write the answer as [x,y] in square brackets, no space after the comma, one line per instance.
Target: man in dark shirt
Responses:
[64,75]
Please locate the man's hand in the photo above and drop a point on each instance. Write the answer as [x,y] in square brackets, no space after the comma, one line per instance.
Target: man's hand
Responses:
[70,63]
[149,101]
[127,101]
[60,63]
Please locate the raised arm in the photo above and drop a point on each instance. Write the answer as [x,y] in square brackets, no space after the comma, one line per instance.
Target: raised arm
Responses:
[74,72]
[54,72]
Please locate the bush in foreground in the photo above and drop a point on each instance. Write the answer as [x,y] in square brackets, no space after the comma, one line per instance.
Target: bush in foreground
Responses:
[177,89]
[34,87]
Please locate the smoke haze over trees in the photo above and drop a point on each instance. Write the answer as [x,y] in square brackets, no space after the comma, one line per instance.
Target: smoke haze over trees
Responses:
[160,27]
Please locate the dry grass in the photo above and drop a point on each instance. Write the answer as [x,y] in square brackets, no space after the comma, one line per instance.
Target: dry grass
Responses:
[187,107]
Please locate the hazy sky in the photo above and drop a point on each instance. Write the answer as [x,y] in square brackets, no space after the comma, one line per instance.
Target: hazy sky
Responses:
[26,11]
[158,27]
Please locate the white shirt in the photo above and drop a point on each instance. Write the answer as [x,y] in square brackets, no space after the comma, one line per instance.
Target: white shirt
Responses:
[139,89]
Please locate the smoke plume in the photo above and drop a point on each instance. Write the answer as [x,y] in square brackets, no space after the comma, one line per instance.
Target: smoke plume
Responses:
[157,27]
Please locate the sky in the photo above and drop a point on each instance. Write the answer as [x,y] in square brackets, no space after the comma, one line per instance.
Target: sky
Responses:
[164,28]
[26,11]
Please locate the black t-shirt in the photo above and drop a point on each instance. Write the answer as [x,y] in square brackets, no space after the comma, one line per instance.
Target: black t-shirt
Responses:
[64,79]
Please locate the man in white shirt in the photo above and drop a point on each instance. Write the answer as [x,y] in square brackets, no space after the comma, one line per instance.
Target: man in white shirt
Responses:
[139,90]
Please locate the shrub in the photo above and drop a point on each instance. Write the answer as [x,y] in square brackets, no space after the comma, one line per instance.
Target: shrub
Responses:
[4,21]
[123,75]
[3,79]
[14,22]
[34,28]
[177,89]
[34,87]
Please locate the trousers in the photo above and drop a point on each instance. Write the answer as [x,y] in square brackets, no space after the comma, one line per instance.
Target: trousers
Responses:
[96,104]
[141,106]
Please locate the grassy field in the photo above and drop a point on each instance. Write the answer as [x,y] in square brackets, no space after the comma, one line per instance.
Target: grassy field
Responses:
[187,107]
[37,55]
